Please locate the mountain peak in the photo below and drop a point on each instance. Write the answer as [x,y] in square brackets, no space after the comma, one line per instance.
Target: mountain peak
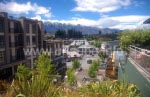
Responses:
[52,27]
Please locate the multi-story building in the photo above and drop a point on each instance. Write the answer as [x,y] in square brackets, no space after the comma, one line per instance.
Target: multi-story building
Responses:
[32,37]
[55,48]
[15,36]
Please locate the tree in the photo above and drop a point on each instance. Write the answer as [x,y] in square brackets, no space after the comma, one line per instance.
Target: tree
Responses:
[100,32]
[44,66]
[23,73]
[97,44]
[96,64]
[40,84]
[45,32]
[92,72]
[72,33]
[76,64]
[71,78]
[102,55]
[139,38]
[60,34]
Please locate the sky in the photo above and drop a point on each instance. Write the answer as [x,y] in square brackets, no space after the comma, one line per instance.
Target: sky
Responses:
[120,14]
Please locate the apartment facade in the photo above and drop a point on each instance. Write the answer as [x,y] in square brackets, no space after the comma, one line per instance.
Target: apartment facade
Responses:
[16,35]
[32,38]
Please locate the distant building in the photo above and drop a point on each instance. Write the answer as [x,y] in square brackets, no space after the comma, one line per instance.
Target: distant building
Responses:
[87,50]
[55,48]
[79,42]
[49,36]
[67,41]
[112,45]
[15,36]
[109,46]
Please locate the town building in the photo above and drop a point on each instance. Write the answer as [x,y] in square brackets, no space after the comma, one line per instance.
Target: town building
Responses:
[54,47]
[111,45]
[16,35]
[55,50]
[87,50]
[79,42]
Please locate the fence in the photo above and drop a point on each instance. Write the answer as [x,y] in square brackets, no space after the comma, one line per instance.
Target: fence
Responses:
[141,57]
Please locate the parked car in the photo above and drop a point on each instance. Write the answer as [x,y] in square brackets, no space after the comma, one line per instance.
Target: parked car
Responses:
[89,61]
[68,60]
[80,69]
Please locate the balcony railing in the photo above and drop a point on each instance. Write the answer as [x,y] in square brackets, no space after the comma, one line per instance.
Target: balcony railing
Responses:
[141,57]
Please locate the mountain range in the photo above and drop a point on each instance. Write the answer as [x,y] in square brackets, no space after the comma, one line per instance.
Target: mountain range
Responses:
[53,27]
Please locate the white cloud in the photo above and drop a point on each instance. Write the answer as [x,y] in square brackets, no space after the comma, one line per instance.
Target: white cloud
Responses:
[119,22]
[76,21]
[37,17]
[48,15]
[107,22]
[18,8]
[100,5]
[15,8]
[123,22]
[130,18]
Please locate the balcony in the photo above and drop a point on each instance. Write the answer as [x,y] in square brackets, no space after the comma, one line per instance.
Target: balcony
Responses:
[136,69]
[141,57]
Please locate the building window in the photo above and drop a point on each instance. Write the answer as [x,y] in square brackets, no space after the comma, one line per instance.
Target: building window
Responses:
[27,28]
[28,40]
[19,54]
[34,28]
[2,42]
[33,40]
[19,40]
[2,57]
[1,26]
[56,45]
[16,27]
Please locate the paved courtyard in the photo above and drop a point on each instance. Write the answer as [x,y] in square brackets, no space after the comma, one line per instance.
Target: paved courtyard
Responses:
[83,61]
[85,66]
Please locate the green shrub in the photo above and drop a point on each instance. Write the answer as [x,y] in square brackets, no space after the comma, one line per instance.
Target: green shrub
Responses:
[76,64]
[93,69]
[71,78]
[109,89]
[39,83]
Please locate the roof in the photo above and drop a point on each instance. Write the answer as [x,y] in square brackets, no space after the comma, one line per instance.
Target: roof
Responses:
[79,42]
[73,54]
[53,41]
[147,21]
[86,46]
[115,42]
